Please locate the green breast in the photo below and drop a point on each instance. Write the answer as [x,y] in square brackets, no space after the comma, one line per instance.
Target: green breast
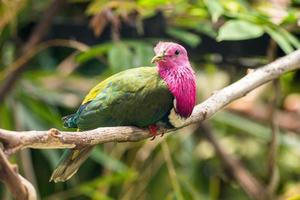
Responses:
[136,97]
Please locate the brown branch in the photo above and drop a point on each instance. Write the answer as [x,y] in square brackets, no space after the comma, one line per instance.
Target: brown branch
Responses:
[19,187]
[235,168]
[260,113]
[273,172]
[14,141]
[20,63]
[40,30]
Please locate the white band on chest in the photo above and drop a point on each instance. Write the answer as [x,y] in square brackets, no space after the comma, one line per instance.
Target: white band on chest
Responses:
[175,119]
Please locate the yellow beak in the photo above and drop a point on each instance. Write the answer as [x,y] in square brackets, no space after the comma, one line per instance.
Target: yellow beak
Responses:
[157,58]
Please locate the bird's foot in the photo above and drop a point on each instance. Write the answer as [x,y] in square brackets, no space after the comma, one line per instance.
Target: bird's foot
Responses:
[153,131]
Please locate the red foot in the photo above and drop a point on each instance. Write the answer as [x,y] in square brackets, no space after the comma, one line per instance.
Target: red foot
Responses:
[153,131]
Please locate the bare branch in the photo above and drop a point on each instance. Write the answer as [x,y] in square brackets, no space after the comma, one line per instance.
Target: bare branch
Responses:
[260,113]
[273,171]
[31,192]
[51,139]
[236,169]
[18,186]
[40,30]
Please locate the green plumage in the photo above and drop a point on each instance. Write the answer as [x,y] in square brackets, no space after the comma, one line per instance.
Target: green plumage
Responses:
[137,97]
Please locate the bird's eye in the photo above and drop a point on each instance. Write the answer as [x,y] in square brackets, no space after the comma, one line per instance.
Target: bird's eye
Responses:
[177,52]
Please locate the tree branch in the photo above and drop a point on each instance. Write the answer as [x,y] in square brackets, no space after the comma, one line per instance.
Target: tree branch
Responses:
[273,172]
[40,30]
[19,186]
[260,113]
[51,139]
[236,169]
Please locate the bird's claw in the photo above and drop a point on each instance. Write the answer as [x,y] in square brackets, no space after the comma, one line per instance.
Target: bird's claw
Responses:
[153,138]
[153,131]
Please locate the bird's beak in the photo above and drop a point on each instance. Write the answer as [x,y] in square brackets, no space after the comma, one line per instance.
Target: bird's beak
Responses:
[157,58]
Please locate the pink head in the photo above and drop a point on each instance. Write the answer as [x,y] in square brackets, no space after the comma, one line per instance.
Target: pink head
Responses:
[170,54]
[175,69]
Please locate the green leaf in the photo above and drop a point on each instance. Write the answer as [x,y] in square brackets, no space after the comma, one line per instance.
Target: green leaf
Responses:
[215,9]
[95,7]
[280,40]
[142,54]
[239,30]
[28,119]
[207,29]
[45,114]
[189,38]
[51,155]
[7,56]
[109,162]
[290,37]
[153,3]
[120,57]
[109,179]
[6,122]
[93,52]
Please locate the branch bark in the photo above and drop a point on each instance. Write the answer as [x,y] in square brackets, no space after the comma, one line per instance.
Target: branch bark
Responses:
[19,187]
[53,139]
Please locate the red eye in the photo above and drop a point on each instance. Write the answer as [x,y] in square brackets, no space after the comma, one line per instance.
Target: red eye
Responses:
[177,52]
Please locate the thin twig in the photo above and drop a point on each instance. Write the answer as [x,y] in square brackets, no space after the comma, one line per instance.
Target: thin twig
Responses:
[261,113]
[235,168]
[273,172]
[19,64]
[40,30]
[171,170]
[14,141]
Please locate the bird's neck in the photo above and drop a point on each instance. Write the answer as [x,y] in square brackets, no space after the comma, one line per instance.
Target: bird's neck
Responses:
[182,84]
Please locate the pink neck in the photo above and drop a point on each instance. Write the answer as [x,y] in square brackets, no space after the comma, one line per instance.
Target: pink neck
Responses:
[182,84]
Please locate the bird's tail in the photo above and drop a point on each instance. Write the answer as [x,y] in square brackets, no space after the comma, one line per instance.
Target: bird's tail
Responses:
[70,163]
[70,121]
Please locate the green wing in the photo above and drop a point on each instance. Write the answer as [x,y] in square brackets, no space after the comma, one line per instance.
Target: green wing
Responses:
[136,97]
[133,97]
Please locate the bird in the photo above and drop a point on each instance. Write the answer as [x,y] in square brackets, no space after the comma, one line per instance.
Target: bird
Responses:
[147,97]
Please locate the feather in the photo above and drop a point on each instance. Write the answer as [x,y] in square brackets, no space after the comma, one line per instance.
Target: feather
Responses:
[70,121]
[140,97]
[133,97]
[70,163]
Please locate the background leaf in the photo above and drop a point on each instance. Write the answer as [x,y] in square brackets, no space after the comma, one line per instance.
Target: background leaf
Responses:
[239,30]
[120,57]
[185,36]
[280,39]
[215,9]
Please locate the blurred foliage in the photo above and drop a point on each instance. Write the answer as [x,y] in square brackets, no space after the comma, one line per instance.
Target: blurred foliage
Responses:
[60,75]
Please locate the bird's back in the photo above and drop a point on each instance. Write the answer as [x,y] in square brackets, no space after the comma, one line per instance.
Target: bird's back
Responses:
[136,97]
